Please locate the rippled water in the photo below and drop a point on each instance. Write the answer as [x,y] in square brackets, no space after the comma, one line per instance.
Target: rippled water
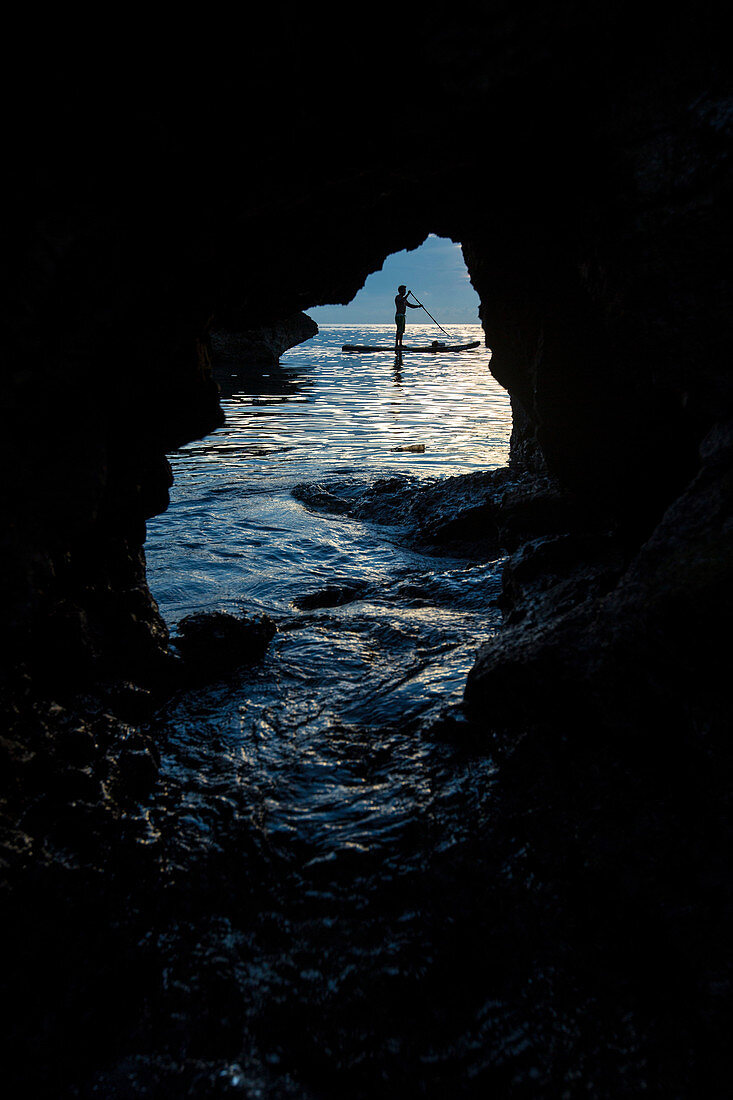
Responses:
[341,830]
[233,535]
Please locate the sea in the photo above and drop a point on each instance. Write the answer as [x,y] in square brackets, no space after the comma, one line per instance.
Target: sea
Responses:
[322,835]
[235,538]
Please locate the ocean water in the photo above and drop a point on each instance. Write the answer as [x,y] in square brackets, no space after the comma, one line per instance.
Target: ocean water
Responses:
[235,538]
[324,842]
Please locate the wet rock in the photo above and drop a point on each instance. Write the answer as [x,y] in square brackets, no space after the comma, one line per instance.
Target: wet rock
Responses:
[599,634]
[78,745]
[74,783]
[333,595]
[336,496]
[481,513]
[217,642]
[132,702]
[553,574]
[417,595]
[138,770]
[452,724]
[439,511]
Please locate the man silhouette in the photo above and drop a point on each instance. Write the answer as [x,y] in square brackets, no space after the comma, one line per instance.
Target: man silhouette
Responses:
[401,304]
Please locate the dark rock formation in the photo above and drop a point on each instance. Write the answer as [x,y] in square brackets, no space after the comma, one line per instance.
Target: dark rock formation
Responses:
[148,197]
[595,244]
[635,642]
[217,643]
[485,513]
[262,346]
[332,595]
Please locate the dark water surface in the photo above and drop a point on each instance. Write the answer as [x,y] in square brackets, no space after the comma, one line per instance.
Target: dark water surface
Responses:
[327,875]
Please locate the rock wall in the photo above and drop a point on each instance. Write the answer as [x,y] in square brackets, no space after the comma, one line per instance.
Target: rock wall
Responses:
[581,155]
[232,345]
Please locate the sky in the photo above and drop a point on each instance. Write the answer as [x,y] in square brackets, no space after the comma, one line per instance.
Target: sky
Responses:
[435,272]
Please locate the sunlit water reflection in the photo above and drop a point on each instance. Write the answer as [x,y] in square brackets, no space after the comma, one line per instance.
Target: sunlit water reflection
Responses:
[314,765]
[234,537]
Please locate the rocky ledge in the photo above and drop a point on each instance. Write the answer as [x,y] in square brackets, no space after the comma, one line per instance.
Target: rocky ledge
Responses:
[486,513]
[618,638]
[232,346]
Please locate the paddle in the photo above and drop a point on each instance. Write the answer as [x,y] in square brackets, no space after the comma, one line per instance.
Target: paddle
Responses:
[428,313]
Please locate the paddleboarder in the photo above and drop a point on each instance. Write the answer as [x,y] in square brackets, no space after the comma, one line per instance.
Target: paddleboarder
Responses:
[400,304]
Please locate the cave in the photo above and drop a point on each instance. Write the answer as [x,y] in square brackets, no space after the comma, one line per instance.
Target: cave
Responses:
[580,154]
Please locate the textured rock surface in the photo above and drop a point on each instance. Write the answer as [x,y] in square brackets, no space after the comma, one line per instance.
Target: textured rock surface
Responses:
[484,513]
[216,643]
[149,197]
[594,242]
[232,346]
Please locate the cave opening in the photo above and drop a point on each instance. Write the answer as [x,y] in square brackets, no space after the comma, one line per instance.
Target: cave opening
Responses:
[311,427]
[435,271]
[305,878]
